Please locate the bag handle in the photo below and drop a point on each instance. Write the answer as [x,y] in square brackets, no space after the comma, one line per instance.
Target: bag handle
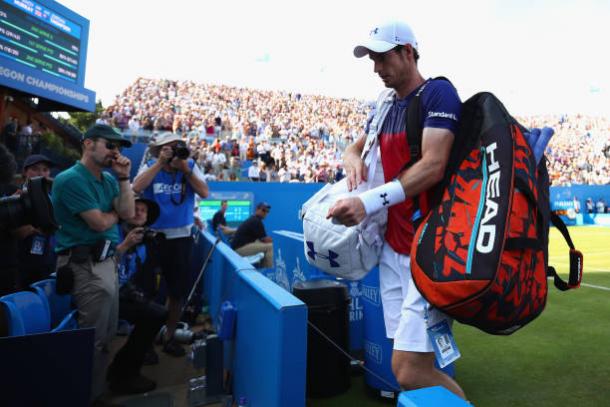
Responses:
[576,259]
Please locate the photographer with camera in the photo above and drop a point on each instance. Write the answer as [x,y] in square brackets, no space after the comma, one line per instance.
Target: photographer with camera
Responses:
[137,268]
[37,256]
[88,203]
[172,180]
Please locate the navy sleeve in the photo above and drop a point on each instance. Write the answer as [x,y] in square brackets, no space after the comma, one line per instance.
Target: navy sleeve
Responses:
[441,106]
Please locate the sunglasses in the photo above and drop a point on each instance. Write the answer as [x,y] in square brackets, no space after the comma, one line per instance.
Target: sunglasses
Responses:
[113,146]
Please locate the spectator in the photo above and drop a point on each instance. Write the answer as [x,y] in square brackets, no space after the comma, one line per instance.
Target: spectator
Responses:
[9,134]
[172,183]
[251,237]
[600,206]
[36,249]
[88,203]
[253,172]
[219,221]
[137,267]
[576,204]
[589,204]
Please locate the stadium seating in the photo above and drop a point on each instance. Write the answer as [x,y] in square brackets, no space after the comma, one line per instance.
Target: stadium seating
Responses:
[29,314]
[59,305]
[32,310]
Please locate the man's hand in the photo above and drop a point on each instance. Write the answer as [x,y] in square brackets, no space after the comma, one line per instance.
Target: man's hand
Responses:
[133,238]
[348,212]
[121,166]
[180,165]
[355,170]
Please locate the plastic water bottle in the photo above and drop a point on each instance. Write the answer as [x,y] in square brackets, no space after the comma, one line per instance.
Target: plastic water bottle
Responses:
[197,391]
[243,402]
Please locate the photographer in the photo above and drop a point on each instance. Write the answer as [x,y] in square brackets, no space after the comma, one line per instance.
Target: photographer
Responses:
[88,202]
[137,265]
[172,180]
[36,249]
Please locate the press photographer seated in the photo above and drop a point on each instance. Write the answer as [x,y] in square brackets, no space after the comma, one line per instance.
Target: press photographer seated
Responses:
[137,268]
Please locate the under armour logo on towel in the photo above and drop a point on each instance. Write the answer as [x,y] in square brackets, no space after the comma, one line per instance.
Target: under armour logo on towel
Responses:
[331,255]
[384,196]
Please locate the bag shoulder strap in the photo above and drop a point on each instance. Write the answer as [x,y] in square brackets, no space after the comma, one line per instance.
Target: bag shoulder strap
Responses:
[576,259]
[413,123]
[381,110]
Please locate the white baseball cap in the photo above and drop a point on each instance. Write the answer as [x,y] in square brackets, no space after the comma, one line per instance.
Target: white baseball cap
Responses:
[383,38]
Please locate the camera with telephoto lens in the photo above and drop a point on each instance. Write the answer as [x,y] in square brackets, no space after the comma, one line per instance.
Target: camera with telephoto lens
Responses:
[152,236]
[181,151]
[32,207]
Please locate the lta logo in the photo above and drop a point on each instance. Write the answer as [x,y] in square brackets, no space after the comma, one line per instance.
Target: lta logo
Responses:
[311,252]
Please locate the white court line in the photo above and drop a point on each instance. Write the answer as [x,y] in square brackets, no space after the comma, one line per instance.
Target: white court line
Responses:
[599,287]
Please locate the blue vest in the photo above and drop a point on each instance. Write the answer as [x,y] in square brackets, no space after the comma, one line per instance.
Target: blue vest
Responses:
[167,190]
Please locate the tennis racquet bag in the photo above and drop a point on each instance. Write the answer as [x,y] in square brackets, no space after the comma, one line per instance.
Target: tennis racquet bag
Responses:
[481,254]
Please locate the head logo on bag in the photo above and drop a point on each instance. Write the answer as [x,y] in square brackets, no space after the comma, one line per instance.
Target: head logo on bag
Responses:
[311,252]
[481,254]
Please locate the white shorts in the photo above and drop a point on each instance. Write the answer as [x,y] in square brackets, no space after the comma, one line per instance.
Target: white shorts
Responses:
[404,308]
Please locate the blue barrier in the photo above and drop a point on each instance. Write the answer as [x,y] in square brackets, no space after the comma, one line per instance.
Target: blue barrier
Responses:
[377,347]
[430,397]
[271,329]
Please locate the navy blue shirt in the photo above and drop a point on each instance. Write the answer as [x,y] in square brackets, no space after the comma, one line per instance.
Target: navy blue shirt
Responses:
[440,108]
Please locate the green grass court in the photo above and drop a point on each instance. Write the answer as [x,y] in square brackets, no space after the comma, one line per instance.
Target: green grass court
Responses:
[560,359]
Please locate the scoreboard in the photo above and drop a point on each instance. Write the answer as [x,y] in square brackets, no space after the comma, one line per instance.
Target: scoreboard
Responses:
[40,38]
[239,206]
[43,48]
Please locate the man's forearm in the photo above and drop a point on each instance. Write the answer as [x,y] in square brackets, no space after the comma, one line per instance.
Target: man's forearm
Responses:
[422,176]
[143,180]
[126,205]
[106,221]
[200,187]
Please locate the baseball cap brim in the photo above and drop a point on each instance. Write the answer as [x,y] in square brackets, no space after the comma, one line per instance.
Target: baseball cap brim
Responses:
[106,132]
[372,45]
[114,137]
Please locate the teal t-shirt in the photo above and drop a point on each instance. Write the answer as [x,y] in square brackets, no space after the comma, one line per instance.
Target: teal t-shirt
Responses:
[76,190]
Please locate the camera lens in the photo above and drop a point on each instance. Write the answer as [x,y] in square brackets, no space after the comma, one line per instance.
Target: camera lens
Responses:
[12,212]
[32,207]
[181,151]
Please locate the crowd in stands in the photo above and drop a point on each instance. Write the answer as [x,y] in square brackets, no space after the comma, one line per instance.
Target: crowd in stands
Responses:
[22,138]
[291,137]
[300,138]
[579,152]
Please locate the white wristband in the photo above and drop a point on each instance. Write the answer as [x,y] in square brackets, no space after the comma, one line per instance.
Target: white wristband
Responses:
[382,196]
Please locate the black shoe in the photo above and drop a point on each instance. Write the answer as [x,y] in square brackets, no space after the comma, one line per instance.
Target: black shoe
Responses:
[132,385]
[151,357]
[173,348]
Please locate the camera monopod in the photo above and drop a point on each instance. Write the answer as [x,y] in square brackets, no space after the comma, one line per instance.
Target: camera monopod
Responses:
[203,267]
